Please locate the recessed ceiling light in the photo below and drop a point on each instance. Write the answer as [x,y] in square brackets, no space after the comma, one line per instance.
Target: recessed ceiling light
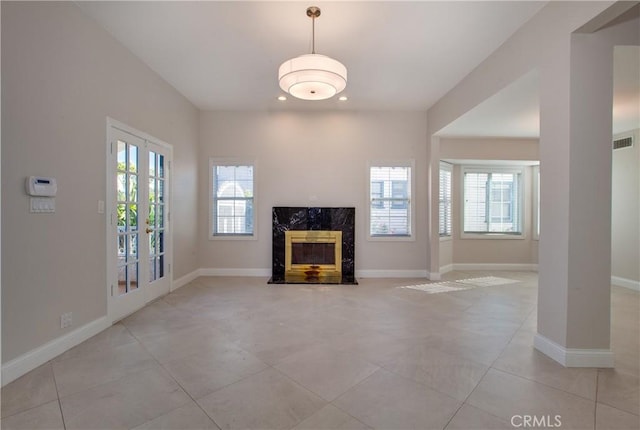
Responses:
[343,98]
[282,98]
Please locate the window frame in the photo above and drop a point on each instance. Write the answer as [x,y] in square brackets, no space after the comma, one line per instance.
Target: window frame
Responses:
[214,162]
[407,204]
[535,225]
[491,169]
[448,167]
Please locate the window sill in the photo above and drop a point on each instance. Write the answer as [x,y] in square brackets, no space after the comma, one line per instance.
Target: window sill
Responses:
[493,236]
[233,237]
[391,238]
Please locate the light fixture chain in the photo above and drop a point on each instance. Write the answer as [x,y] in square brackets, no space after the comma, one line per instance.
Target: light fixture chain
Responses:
[313,34]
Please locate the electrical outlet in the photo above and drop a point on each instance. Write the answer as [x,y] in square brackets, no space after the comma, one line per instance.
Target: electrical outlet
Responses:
[66,320]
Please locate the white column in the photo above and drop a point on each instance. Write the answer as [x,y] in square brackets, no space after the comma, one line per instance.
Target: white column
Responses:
[575,240]
[434,189]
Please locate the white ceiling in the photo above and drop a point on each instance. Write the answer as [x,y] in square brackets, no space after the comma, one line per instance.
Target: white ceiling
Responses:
[515,111]
[224,55]
[512,112]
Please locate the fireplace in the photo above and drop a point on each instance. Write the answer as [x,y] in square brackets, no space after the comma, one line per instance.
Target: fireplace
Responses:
[313,245]
[313,255]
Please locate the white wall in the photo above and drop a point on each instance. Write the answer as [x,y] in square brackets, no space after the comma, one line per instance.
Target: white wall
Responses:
[625,217]
[62,75]
[0,202]
[314,159]
[486,148]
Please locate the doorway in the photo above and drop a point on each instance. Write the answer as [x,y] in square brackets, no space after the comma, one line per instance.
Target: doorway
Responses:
[139,241]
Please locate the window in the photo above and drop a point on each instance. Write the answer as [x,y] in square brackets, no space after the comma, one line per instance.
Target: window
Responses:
[232,205]
[390,200]
[492,201]
[444,212]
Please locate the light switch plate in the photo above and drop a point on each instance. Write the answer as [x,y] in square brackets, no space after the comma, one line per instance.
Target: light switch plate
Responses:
[43,205]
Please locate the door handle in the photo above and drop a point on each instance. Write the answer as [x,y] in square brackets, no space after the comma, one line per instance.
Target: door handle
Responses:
[148,230]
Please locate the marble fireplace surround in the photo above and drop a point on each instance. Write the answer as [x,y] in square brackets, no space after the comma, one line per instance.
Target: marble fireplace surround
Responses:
[313,218]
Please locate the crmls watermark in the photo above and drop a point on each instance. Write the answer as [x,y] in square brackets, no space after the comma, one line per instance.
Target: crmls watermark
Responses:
[536,421]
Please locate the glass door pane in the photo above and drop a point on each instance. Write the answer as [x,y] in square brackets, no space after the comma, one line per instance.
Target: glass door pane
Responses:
[156,228]
[127,199]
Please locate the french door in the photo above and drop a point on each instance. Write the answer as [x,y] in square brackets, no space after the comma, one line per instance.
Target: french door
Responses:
[138,227]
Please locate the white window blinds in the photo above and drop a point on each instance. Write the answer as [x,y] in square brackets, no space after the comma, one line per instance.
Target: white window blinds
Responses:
[445,200]
[232,199]
[390,201]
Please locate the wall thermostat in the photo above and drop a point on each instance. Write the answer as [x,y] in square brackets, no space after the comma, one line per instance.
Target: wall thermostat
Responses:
[40,186]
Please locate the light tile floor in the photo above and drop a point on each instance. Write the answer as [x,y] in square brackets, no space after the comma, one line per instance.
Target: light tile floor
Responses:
[236,353]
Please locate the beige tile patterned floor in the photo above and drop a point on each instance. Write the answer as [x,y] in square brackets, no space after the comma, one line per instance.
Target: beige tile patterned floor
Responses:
[236,353]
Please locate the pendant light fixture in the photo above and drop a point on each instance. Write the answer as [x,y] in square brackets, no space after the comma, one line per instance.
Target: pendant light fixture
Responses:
[312,76]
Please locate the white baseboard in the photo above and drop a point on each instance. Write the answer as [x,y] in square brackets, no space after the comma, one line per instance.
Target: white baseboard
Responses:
[391,273]
[364,273]
[184,280]
[495,266]
[25,363]
[571,357]
[267,273]
[446,269]
[626,283]
[212,271]
[437,276]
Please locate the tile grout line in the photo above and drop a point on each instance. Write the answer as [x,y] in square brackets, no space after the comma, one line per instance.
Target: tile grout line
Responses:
[55,383]
[345,412]
[217,389]
[617,408]
[489,368]
[539,382]
[544,384]
[40,404]
[139,343]
[608,405]
[293,381]
[173,379]
[453,416]
[595,403]
[161,365]
[352,388]
[487,371]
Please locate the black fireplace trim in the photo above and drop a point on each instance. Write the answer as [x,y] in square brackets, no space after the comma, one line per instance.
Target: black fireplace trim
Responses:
[313,218]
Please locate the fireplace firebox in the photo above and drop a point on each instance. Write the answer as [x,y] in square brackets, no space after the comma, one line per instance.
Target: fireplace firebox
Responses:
[313,245]
[313,255]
